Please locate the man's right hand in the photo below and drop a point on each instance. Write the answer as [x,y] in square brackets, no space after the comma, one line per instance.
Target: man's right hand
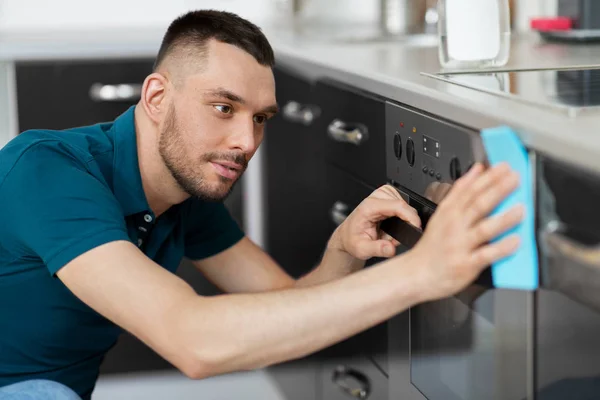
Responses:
[455,247]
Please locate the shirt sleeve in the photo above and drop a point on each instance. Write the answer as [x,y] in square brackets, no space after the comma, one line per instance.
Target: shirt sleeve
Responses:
[56,209]
[210,230]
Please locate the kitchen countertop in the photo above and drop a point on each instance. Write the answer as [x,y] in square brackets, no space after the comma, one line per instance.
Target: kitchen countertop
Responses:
[391,69]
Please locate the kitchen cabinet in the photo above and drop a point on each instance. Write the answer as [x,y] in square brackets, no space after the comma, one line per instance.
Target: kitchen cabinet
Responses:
[314,179]
[344,193]
[63,94]
[66,94]
[296,212]
[352,378]
[352,127]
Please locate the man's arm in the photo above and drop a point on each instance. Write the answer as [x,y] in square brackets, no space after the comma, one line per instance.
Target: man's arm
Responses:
[245,267]
[214,335]
[205,336]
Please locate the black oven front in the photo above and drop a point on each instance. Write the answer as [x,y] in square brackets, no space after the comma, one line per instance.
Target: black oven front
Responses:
[472,346]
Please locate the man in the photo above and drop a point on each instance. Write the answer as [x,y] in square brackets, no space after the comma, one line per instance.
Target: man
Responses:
[96,219]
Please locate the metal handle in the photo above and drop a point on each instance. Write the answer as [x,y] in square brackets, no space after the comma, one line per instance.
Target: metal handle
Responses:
[408,235]
[115,93]
[345,132]
[339,212]
[304,114]
[340,378]
[572,264]
[577,252]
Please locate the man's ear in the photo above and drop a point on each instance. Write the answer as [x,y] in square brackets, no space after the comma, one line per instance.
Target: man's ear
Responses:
[153,96]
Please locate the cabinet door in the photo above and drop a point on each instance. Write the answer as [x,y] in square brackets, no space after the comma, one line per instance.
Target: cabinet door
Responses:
[352,130]
[352,378]
[66,94]
[296,213]
[344,193]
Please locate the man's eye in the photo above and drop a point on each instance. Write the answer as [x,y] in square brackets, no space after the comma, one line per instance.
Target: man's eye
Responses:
[224,109]
[260,119]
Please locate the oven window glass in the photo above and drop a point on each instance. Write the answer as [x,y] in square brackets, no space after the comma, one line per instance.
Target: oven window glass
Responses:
[473,346]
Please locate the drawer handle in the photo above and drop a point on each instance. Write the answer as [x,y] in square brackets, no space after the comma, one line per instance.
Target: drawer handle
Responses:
[362,390]
[115,93]
[345,132]
[304,114]
[339,212]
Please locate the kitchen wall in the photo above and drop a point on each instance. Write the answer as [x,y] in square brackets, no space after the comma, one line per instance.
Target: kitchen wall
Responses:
[28,15]
[43,15]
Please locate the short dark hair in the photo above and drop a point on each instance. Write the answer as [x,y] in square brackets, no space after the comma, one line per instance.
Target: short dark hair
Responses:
[195,28]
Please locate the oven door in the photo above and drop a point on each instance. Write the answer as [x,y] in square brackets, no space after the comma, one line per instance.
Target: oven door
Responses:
[476,345]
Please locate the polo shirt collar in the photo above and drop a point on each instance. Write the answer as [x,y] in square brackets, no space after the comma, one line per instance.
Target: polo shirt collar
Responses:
[127,179]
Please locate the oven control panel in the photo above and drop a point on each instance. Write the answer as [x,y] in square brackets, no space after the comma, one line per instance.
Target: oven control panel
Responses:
[426,154]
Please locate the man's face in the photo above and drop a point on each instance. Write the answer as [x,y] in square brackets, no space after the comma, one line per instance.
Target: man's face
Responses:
[215,121]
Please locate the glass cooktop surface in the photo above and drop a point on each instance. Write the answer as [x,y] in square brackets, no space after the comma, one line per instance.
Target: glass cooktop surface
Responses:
[572,90]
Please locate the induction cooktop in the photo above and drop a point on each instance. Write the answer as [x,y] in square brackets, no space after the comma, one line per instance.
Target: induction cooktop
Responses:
[571,90]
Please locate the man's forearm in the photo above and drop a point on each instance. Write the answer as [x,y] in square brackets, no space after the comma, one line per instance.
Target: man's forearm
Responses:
[245,331]
[335,264]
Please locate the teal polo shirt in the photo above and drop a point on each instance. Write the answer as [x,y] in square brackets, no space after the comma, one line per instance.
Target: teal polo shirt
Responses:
[63,193]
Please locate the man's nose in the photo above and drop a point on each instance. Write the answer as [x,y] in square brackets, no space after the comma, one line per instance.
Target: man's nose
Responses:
[243,137]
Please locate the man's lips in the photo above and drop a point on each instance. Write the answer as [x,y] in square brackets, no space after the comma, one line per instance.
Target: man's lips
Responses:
[229,164]
[227,169]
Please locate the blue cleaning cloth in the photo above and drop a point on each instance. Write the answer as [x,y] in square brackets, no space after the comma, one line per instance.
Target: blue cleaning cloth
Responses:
[520,270]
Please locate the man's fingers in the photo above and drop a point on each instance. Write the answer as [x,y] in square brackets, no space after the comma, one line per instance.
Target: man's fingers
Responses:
[493,252]
[385,236]
[499,188]
[378,209]
[492,227]
[376,248]
[459,194]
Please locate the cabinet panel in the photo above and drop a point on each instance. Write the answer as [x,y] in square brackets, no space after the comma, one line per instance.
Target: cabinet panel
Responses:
[296,212]
[352,130]
[344,193]
[352,378]
[57,94]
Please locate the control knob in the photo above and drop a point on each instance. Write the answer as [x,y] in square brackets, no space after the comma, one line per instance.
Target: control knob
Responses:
[397,146]
[455,170]
[410,152]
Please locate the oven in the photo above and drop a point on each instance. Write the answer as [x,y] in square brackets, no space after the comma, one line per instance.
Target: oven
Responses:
[472,346]
[485,342]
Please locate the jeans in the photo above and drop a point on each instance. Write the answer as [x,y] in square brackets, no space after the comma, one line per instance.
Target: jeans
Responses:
[37,389]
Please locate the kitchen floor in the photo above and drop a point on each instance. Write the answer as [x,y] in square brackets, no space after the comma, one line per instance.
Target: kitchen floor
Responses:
[172,384]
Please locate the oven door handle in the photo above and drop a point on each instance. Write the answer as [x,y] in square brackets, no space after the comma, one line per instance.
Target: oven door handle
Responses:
[407,234]
[572,267]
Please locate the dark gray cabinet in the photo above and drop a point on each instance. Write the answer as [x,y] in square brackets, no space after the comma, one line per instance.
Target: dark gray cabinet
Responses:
[64,94]
[324,155]
[352,127]
[352,378]
[296,212]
